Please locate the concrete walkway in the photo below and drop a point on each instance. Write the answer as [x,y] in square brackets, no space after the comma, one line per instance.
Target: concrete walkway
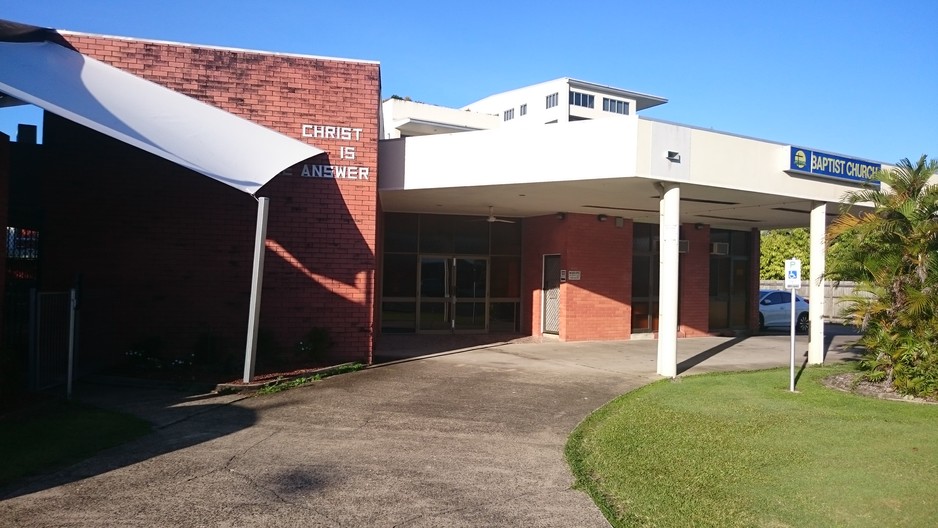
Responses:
[473,438]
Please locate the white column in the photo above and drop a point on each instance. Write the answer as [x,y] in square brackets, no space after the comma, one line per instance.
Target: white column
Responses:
[257,282]
[816,288]
[669,211]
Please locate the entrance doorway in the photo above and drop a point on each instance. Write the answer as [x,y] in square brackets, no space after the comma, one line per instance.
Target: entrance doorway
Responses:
[645,270]
[444,273]
[729,279]
[452,294]
[550,295]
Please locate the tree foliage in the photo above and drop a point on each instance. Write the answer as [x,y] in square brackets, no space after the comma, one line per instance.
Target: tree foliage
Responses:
[779,245]
[887,241]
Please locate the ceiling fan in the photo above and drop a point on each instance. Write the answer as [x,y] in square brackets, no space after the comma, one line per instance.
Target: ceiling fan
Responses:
[492,218]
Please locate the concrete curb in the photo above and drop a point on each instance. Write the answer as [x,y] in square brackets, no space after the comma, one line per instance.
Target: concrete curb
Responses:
[436,354]
[256,385]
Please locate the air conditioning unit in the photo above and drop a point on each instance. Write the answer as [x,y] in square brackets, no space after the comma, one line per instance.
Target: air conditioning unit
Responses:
[720,248]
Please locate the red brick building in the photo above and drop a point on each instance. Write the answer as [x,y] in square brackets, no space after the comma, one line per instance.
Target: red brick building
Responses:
[163,255]
[555,210]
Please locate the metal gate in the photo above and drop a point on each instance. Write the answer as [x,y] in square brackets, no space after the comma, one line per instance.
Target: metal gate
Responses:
[551,294]
[52,340]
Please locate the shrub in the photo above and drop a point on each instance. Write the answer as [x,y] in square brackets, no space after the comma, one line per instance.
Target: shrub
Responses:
[892,253]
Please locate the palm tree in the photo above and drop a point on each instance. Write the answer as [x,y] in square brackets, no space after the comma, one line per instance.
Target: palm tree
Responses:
[889,246]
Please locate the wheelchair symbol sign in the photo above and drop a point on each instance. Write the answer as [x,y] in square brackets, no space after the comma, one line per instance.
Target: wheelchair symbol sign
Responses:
[793,273]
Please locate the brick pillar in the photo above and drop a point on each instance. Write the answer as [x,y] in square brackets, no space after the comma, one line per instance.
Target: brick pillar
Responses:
[754,261]
[694,311]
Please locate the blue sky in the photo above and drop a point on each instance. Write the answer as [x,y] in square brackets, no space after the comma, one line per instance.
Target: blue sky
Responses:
[857,78]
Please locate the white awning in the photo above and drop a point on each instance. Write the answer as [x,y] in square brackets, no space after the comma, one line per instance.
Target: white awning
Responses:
[206,139]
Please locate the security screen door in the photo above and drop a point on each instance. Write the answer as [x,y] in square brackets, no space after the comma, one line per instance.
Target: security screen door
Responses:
[551,294]
[453,294]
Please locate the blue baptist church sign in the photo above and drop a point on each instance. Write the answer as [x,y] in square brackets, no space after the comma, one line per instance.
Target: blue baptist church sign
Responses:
[825,165]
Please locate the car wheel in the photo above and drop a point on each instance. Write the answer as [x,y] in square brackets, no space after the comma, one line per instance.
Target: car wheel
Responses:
[802,325]
[761,322]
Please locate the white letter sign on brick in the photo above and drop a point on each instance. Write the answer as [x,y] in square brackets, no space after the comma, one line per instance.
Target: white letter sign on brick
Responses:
[346,152]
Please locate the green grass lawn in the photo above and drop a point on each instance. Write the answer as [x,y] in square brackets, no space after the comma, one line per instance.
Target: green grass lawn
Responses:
[738,449]
[54,433]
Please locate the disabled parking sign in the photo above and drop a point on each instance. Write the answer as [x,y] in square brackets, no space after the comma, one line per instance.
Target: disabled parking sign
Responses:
[792,282]
[792,273]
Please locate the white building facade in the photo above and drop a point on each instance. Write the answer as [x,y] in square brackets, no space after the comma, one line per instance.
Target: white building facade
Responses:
[626,226]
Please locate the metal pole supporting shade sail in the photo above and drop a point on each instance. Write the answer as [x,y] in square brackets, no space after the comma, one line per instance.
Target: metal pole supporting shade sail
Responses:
[39,67]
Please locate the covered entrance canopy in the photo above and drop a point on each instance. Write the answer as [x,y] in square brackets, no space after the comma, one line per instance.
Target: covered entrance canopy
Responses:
[39,68]
[647,171]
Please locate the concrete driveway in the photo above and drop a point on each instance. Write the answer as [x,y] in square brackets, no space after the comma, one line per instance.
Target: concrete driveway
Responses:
[473,438]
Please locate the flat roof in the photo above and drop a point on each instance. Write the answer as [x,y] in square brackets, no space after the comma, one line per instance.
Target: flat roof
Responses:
[642,100]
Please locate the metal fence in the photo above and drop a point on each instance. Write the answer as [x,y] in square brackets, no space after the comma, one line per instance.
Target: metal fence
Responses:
[52,343]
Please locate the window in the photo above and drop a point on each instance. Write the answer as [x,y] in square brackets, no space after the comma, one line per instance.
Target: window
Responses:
[441,272]
[22,243]
[730,280]
[615,106]
[581,99]
[776,298]
[509,114]
[523,109]
[552,100]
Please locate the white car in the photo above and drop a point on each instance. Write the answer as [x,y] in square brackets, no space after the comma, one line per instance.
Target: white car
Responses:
[775,310]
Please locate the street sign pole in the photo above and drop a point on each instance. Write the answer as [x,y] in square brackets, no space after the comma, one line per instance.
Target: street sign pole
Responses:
[792,282]
[791,384]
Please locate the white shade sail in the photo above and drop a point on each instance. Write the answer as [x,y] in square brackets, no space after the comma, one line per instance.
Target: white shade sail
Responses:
[196,135]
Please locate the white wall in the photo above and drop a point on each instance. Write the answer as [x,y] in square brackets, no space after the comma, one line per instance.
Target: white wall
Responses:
[394,112]
[667,137]
[535,96]
[583,150]
[751,165]
[724,160]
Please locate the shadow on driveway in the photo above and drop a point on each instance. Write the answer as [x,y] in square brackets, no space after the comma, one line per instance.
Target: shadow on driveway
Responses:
[839,345]
[161,405]
[700,357]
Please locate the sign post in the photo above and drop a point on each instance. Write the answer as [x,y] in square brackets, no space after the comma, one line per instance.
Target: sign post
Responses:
[792,282]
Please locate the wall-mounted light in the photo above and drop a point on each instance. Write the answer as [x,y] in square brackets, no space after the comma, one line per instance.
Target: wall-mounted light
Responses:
[698,226]
[601,218]
[561,216]
[674,157]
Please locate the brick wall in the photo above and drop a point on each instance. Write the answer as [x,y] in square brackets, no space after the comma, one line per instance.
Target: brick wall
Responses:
[754,282]
[598,306]
[601,300]
[694,307]
[166,253]
[541,236]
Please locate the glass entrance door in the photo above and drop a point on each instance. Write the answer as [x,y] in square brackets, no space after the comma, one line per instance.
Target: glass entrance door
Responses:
[453,293]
